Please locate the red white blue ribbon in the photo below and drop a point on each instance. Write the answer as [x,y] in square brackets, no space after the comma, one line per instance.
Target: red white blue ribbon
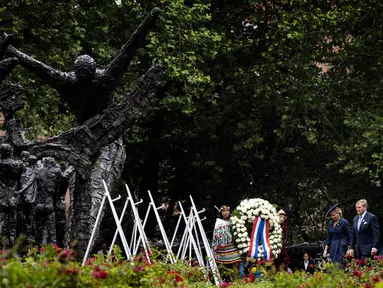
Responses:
[260,236]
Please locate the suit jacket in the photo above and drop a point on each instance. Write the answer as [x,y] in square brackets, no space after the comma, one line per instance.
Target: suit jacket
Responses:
[368,235]
[310,267]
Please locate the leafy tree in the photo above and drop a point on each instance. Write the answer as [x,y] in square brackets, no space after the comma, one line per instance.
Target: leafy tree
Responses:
[271,99]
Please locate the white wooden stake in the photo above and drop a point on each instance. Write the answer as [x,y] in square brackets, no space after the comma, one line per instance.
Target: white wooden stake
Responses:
[162,230]
[94,229]
[139,225]
[190,232]
[116,233]
[120,231]
[217,276]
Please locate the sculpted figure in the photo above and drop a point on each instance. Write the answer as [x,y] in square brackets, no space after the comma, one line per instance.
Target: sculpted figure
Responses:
[61,204]
[88,90]
[28,193]
[49,175]
[10,171]
[51,186]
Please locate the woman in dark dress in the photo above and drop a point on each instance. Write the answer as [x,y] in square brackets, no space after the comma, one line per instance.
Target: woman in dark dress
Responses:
[338,236]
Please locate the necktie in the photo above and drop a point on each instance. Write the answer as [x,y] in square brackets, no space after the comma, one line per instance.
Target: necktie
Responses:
[359,222]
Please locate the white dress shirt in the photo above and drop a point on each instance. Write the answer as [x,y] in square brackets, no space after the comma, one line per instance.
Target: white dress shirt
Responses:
[306,264]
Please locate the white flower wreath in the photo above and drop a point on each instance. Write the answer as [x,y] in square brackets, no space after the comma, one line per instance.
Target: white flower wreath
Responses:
[242,220]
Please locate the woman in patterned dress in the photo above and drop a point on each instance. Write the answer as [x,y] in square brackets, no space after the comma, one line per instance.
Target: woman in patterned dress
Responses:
[226,253]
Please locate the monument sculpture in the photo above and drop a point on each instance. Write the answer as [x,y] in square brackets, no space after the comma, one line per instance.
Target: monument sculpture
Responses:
[27,193]
[87,90]
[92,151]
[10,170]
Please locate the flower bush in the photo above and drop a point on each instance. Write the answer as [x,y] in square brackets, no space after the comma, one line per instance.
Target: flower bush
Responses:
[242,222]
[51,266]
[369,273]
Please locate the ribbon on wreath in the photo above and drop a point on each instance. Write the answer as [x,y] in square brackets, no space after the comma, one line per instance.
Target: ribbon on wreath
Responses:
[260,235]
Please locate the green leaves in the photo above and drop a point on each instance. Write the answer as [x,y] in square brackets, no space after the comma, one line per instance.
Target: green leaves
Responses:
[286,93]
[183,44]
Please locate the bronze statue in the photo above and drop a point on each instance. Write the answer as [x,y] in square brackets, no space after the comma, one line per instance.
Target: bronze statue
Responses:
[88,90]
[10,171]
[28,193]
[94,148]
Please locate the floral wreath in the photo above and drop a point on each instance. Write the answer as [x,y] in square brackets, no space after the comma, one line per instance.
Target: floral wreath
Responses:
[242,221]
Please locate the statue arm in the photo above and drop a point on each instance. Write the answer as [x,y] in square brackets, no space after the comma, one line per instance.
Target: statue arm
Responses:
[6,65]
[4,43]
[52,77]
[79,145]
[31,180]
[118,66]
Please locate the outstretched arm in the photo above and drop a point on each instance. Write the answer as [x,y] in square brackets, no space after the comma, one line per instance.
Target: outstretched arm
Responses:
[50,76]
[4,43]
[118,66]
[80,144]
[6,65]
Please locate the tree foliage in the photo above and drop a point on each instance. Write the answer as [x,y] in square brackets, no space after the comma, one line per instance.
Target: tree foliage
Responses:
[271,99]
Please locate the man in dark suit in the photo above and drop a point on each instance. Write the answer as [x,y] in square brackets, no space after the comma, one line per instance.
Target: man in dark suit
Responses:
[366,233]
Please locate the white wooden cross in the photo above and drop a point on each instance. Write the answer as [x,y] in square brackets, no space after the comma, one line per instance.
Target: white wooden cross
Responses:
[137,228]
[190,241]
[118,223]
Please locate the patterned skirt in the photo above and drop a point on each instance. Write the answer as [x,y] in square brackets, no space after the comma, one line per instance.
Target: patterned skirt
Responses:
[228,254]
